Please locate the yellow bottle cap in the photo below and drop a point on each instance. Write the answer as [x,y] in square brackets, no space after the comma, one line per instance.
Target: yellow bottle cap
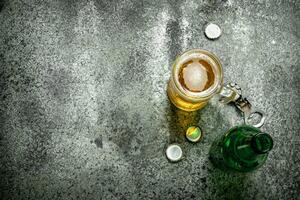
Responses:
[194,134]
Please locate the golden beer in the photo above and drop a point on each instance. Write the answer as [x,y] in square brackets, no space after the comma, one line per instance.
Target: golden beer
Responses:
[196,77]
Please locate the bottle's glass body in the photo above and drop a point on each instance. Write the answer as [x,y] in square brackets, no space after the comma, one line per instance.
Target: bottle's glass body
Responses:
[242,148]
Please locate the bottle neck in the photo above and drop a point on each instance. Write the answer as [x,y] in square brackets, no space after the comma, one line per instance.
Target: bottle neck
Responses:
[245,148]
[262,143]
[251,144]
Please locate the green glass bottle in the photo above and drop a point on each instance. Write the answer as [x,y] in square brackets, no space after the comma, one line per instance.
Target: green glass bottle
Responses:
[242,148]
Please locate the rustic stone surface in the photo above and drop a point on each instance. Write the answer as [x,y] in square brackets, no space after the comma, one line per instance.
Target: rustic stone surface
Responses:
[83,108]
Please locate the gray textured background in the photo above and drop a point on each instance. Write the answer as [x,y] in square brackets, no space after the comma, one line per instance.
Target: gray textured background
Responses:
[84,112]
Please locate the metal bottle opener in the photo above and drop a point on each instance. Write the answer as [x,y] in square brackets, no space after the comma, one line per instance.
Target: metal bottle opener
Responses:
[232,93]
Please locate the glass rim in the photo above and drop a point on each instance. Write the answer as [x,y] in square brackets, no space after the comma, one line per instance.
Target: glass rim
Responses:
[215,64]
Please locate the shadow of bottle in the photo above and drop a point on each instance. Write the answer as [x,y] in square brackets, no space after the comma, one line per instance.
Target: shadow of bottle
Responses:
[223,183]
[226,184]
[220,183]
[1,5]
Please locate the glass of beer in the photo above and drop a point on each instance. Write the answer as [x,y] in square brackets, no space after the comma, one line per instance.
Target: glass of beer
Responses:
[196,77]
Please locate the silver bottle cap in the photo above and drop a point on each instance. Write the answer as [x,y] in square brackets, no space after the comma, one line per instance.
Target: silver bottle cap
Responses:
[212,31]
[174,152]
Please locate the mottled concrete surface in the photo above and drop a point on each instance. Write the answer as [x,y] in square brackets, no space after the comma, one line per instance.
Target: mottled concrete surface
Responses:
[84,112]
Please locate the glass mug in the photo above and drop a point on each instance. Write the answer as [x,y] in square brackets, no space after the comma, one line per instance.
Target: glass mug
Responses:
[196,77]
